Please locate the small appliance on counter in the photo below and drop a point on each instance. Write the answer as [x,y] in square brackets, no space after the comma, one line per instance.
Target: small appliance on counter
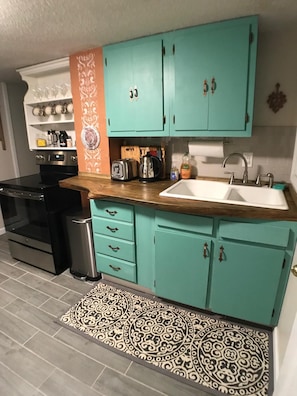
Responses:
[124,169]
[150,168]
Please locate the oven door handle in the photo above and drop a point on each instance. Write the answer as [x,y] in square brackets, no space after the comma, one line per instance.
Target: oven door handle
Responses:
[22,194]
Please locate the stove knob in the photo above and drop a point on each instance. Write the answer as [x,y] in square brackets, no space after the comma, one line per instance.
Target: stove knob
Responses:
[74,158]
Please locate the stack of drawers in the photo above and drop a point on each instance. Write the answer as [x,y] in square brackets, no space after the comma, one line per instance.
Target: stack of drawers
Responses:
[114,239]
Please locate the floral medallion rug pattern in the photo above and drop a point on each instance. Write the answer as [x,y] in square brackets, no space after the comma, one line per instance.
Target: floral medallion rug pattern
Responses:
[215,355]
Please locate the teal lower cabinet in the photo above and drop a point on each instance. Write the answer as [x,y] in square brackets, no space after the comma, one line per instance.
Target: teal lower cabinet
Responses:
[182,267]
[238,268]
[114,239]
[244,283]
[182,257]
[235,268]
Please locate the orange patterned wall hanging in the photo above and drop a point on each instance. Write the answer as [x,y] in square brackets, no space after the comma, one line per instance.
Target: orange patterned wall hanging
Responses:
[87,82]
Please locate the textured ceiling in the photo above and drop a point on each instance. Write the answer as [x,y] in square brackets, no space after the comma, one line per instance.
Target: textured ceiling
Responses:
[35,31]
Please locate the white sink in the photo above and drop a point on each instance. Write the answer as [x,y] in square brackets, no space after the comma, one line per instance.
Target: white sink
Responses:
[213,191]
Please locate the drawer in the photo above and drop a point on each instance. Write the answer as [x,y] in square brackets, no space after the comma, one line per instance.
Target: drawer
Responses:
[114,247]
[190,223]
[115,267]
[252,232]
[112,210]
[116,229]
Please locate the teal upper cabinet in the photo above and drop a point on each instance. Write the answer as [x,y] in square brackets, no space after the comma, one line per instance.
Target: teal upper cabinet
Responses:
[214,75]
[197,81]
[133,79]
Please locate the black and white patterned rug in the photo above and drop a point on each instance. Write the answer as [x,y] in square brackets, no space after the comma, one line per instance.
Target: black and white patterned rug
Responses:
[215,355]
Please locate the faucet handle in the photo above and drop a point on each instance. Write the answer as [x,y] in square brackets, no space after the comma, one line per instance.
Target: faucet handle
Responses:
[270,179]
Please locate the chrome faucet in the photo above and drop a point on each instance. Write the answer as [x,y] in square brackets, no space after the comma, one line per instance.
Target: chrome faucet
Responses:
[245,173]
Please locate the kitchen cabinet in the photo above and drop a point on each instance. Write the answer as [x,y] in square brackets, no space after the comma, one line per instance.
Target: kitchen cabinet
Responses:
[214,68]
[182,258]
[233,268]
[49,88]
[133,79]
[191,82]
[248,264]
[114,239]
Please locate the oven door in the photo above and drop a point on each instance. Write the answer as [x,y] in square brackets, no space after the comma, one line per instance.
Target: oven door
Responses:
[24,214]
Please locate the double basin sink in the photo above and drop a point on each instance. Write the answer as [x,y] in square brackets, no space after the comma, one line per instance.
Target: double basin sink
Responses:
[215,191]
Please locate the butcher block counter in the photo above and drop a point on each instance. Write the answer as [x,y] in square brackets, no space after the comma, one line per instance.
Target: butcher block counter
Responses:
[147,194]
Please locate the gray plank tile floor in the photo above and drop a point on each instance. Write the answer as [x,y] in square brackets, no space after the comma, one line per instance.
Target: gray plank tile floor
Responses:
[38,357]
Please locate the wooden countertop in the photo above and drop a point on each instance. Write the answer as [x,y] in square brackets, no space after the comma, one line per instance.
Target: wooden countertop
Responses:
[147,194]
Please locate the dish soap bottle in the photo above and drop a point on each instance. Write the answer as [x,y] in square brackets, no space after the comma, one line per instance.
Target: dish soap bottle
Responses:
[185,168]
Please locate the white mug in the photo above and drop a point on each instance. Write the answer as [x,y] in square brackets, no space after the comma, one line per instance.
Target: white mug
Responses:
[48,110]
[36,111]
[70,107]
[59,109]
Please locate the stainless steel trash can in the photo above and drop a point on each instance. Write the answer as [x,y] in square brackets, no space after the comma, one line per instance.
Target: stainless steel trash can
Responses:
[80,245]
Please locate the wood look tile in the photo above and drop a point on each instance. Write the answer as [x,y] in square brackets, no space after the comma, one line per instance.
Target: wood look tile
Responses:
[55,307]
[5,298]
[71,297]
[61,383]
[67,359]
[3,278]
[112,383]
[73,284]
[94,350]
[15,328]
[34,270]
[12,385]
[6,258]
[10,270]
[23,362]
[162,382]
[42,285]
[24,292]
[34,316]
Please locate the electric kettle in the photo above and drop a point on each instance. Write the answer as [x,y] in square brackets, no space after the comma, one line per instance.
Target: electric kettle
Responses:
[150,168]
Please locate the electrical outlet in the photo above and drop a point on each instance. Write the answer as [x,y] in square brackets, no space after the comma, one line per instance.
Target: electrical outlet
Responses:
[249,159]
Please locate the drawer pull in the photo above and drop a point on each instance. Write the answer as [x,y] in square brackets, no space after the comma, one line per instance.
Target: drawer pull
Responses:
[111,212]
[114,248]
[115,268]
[205,250]
[221,255]
[115,229]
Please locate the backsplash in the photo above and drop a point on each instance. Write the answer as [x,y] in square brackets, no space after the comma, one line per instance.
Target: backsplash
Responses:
[272,149]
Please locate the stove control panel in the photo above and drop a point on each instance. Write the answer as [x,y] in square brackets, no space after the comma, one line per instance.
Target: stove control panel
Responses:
[64,158]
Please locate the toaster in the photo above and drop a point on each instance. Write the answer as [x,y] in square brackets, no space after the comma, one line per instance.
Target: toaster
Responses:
[124,169]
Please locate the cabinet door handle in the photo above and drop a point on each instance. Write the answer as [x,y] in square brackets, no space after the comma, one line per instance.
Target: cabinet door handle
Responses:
[131,93]
[221,255]
[114,268]
[205,87]
[205,250]
[111,212]
[213,85]
[115,229]
[114,248]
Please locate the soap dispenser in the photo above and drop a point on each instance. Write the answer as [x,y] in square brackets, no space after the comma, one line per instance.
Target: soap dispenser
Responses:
[185,168]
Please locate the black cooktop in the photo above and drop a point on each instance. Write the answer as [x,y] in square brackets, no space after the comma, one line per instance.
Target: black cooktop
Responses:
[36,182]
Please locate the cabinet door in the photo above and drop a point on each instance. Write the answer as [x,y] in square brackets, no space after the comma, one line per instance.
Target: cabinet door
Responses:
[244,283]
[134,86]
[229,54]
[182,267]
[212,80]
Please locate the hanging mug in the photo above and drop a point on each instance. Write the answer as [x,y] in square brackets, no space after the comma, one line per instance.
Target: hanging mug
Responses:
[37,111]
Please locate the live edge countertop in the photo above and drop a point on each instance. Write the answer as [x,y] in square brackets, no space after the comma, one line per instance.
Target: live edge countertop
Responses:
[147,194]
